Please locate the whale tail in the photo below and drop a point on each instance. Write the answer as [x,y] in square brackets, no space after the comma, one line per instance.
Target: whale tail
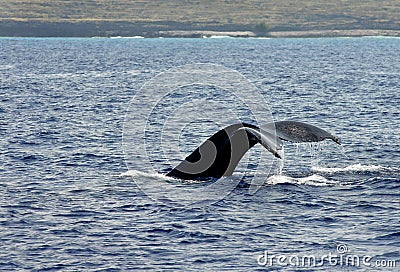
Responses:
[220,154]
[299,132]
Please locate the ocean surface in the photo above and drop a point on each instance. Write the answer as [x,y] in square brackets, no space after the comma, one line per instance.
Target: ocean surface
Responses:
[78,194]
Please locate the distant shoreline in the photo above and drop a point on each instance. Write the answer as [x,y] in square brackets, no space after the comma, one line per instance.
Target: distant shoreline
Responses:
[14,28]
[335,33]
[242,34]
[283,34]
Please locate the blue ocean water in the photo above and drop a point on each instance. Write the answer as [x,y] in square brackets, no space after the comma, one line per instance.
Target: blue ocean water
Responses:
[68,202]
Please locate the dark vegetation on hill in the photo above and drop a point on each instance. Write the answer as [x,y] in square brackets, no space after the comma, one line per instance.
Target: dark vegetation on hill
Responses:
[147,18]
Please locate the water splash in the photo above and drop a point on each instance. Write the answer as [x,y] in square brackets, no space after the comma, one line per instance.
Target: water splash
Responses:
[137,173]
[351,168]
[281,162]
[297,146]
[313,180]
[343,152]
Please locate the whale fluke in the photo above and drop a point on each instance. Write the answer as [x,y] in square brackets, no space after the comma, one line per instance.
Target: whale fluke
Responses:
[299,132]
[220,154]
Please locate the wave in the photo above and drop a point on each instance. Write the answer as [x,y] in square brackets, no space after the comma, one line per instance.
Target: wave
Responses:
[219,37]
[137,173]
[6,67]
[351,168]
[125,37]
[313,180]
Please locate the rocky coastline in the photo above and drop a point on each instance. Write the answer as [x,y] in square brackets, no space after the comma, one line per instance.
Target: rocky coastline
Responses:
[12,28]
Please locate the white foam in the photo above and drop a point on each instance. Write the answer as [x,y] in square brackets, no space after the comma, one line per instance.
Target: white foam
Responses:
[381,37]
[127,37]
[313,180]
[219,37]
[6,67]
[137,173]
[350,168]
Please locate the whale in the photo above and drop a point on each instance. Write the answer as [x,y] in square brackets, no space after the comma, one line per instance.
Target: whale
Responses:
[219,155]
